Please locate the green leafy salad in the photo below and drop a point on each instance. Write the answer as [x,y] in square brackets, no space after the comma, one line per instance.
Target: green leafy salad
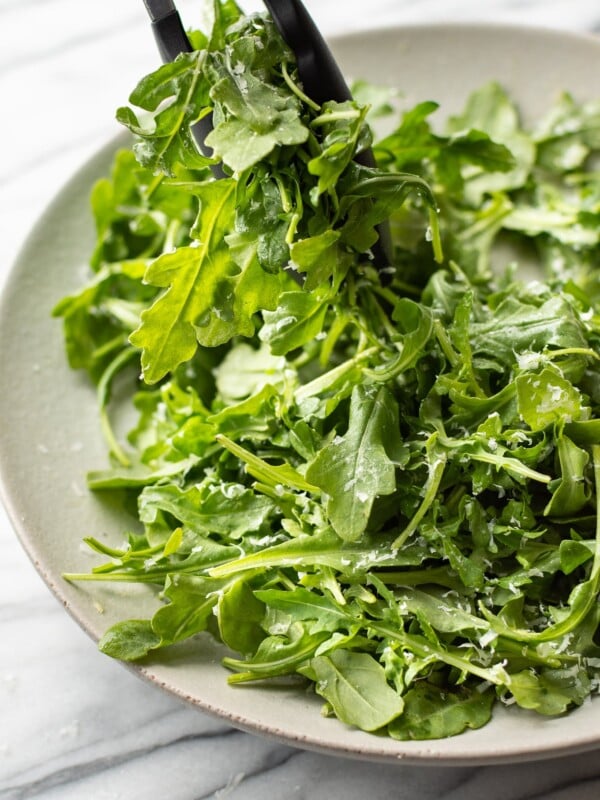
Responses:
[382,483]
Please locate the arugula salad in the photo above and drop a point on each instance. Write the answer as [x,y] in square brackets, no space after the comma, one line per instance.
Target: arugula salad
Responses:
[380,483]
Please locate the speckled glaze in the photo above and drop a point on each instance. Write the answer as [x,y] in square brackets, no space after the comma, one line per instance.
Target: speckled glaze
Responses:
[83,703]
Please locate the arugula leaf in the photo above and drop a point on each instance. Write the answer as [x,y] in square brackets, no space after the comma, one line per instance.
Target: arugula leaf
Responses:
[170,328]
[240,615]
[568,134]
[432,713]
[344,469]
[572,493]
[175,97]
[546,397]
[356,686]
[301,605]
[255,116]
[298,319]
[277,655]
[490,109]
[320,258]
[345,132]
[551,692]
[229,509]
[240,143]
[190,607]
[130,640]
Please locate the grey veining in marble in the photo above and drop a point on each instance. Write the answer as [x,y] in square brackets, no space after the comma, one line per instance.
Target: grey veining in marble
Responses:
[74,724]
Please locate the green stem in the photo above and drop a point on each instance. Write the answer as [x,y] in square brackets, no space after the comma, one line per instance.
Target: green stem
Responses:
[511,465]
[117,577]
[439,576]
[158,179]
[445,343]
[323,382]
[436,471]
[116,343]
[436,239]
[103,393]
[297,91]
[572,351]
[423,649]
[334,116]
[170,234]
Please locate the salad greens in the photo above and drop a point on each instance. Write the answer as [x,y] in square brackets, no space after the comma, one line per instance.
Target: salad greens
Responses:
[384,483]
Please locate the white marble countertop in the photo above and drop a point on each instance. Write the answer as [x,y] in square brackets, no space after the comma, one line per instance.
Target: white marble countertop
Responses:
[73,723]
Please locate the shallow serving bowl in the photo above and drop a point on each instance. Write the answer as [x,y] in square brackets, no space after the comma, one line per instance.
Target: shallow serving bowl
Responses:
[51,434]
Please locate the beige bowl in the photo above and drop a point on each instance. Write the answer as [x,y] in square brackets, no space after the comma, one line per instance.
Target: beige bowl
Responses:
[50,428]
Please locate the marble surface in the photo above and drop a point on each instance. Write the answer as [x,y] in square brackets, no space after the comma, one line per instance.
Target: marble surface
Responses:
[73,723]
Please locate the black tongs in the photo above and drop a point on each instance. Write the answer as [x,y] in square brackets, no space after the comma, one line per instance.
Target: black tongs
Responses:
[319,72]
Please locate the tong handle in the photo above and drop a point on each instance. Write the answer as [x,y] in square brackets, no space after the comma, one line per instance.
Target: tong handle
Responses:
[170,35]
[167,27]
